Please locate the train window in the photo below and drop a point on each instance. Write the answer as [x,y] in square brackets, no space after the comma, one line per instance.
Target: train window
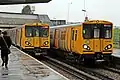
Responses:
[72,34]
[44,32]
[87,32]
[76,35]
[107,33]
[28,31]
[62,35]
[96,33]
[36,32]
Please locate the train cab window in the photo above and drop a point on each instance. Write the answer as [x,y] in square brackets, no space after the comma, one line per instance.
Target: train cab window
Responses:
[87,32]
[28,31]
[44,32]
[36,32]
[96,33]
[107,33]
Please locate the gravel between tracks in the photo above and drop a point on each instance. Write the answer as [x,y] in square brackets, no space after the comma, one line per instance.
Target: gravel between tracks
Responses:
[110,74]
[69,76]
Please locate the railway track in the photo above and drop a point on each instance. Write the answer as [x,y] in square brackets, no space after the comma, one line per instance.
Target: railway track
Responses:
[94,72]
[78,74]
[86,73]
[115,70]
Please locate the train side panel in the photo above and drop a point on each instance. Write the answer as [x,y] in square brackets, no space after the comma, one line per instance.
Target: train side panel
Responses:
[68,39]
[18,37]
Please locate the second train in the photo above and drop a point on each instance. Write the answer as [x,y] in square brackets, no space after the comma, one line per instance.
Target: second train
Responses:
[88,41]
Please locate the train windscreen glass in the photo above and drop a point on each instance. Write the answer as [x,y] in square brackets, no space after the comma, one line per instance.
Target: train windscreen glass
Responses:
[97,31]
[44,32]
[28,31]
[87,31]
[107,31]
[36,32]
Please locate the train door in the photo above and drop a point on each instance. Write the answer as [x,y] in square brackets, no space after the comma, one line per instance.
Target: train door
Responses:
[73,39]
[56,38]
[36,37]
[97,41]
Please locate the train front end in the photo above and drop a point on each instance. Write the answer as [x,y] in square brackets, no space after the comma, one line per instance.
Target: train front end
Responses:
[36,38]
[98,40]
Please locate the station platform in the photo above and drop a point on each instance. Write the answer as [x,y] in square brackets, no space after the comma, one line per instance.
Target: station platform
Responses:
[116,52]
[24,67]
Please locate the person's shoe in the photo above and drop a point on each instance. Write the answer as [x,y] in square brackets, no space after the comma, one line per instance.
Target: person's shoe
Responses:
[2,64]
[6,67]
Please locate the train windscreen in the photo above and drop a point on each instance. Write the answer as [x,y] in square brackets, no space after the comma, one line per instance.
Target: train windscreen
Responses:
[44,32]
[97,31]
[107,31]
[36,32]
[28,31]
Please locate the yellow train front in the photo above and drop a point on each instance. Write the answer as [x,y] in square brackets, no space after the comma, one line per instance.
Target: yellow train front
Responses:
[90,40]
[31,37]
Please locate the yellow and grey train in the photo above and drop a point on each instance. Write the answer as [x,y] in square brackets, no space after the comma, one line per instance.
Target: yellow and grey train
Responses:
[31,37]
[90,40]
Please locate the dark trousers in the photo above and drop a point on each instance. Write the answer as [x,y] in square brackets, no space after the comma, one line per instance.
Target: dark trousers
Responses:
[4,58]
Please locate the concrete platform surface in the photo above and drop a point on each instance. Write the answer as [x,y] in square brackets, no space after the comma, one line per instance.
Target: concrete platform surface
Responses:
[23,67]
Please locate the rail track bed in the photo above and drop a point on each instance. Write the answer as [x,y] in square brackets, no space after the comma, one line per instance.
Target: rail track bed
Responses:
[72,72]
[80,72]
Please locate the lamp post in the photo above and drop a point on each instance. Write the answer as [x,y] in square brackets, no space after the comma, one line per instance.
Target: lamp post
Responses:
[85,12]
[68,11]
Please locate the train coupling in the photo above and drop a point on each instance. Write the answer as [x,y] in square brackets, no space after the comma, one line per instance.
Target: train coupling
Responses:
[99,57]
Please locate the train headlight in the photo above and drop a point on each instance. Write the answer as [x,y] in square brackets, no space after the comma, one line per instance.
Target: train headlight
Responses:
[27,42]
[88,48]
[109,46]
[85,46]
[106,48]
[46,42]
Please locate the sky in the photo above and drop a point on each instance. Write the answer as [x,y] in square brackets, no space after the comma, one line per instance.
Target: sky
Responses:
[59,9]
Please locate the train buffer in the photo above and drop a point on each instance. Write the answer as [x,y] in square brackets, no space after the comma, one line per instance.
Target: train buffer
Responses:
[24,67]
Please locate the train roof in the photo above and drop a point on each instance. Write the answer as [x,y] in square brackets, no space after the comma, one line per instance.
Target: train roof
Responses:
[86,22]
[67,25]
[97,21]
[37,23]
